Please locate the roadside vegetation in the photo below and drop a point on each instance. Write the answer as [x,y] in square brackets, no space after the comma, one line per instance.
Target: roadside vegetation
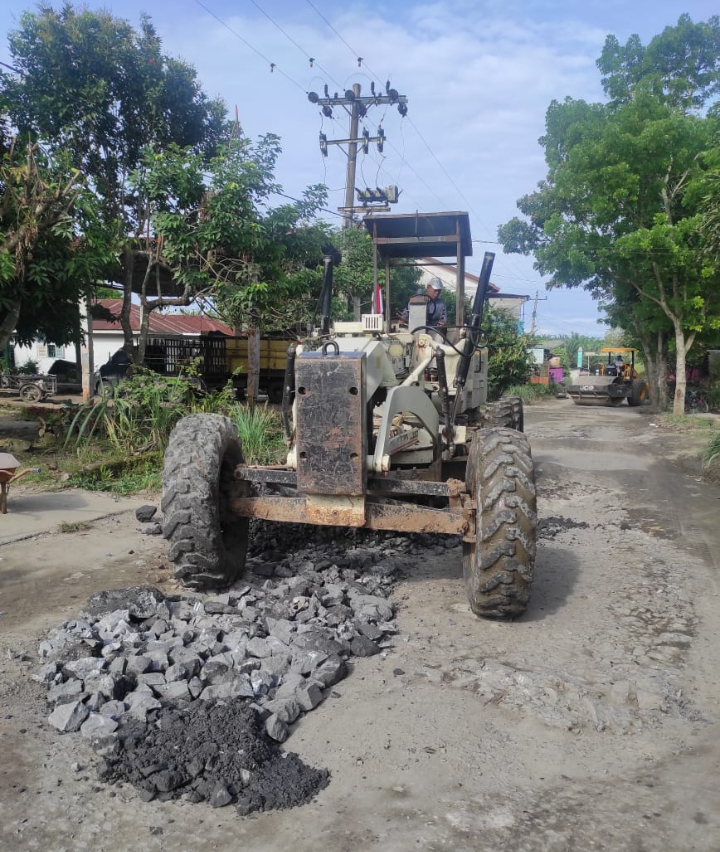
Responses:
[630,205]
[532,393]
[116,443]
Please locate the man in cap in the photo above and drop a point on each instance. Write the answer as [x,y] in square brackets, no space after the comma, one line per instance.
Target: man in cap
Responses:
[435,308]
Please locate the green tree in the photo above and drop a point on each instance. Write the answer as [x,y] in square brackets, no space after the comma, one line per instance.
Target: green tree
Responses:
[619,210]
[50,246]
[90,85]
[509,361]
[354,276]
[219,239]
[679,66]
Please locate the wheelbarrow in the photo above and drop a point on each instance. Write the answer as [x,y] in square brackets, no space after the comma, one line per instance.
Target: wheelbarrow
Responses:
[9,473]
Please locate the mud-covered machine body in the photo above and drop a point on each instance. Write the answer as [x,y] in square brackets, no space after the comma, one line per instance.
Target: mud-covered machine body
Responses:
[385,430]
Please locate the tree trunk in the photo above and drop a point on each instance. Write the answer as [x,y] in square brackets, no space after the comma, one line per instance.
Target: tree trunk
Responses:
[655,357]
[9,321]
[144,328]
[253,380]
[125,324]
[680,366]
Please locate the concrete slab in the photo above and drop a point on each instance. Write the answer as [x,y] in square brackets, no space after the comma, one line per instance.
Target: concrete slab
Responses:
[35,514]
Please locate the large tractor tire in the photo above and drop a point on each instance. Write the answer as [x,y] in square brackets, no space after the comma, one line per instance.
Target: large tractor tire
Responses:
[638,392]
[505,413]
[208,543]
[498,563]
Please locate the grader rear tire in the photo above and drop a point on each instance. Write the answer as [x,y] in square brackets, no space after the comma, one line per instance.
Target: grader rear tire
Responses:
[498,564]
[208,543]
[505,413]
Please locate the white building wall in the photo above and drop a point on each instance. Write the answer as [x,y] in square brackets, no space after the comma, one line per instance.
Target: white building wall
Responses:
[447,274]
[106,344]
[37,351]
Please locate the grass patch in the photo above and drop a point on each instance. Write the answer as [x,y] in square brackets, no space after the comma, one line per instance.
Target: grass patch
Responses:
[711,454]
[121,477]
[260,430]
[689,421]
[78,526]
[532,393]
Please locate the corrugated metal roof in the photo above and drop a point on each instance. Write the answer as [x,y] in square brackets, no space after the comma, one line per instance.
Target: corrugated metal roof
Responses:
[160,323]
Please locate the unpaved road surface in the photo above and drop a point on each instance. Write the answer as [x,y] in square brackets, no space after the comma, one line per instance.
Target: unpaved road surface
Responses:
[591,723]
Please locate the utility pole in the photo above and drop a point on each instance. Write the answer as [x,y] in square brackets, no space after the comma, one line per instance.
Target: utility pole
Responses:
[534,315]
[357,107]
[352,158]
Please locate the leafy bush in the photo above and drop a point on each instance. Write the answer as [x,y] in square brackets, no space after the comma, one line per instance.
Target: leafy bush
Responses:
[138,414]
[712,396]
[509,361]
[29,368]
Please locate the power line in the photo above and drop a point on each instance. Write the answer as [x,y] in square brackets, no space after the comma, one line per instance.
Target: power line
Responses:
[422,180]
[357,56]
[299,201]
[273,65]
[311,59]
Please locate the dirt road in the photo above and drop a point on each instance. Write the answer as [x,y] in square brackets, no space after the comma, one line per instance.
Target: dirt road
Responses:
[591,723]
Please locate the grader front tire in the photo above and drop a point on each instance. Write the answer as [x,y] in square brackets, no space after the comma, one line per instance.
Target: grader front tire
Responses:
[207,542]
[498,564]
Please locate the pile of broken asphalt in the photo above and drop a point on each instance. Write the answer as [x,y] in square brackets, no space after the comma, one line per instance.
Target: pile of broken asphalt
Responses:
[190,696]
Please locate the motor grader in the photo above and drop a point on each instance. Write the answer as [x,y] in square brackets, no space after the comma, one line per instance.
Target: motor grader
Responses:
[386,429]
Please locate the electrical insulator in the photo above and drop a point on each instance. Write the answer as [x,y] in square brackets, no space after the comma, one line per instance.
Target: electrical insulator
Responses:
[323,145]
[362,110]
[327,93]
[402,109]
[391,194]
[327,111]
[381,139]
[366,141]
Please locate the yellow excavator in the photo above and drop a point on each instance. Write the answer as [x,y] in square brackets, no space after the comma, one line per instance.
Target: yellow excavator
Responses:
[617,380]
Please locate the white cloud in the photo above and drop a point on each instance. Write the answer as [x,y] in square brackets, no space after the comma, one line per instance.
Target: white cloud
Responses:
[479,77]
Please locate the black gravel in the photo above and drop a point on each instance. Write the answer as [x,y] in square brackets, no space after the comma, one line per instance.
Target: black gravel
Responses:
[217,753]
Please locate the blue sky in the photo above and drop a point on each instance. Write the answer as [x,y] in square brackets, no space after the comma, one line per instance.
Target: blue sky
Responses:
[478,76]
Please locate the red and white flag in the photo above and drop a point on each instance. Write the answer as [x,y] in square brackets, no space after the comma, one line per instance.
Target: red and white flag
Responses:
[377,300]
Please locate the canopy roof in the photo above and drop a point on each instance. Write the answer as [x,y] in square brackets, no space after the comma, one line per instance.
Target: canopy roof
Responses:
[415,235]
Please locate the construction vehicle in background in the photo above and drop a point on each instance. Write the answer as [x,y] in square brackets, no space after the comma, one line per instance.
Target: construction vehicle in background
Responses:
[385,430]
[617,380]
